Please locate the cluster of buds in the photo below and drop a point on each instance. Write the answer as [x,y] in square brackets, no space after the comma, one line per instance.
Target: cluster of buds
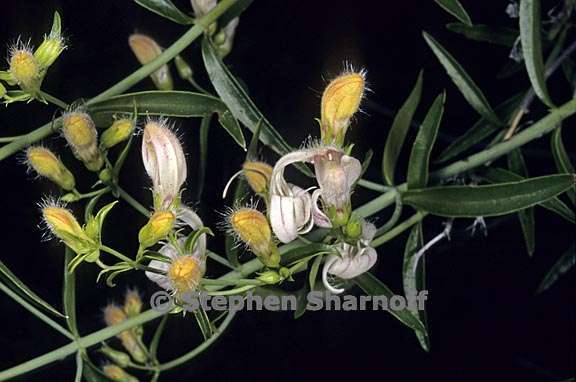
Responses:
[222,39]
[27,67]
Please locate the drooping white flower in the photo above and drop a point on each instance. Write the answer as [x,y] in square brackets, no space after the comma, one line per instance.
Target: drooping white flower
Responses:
[185,270]
[164,162]
[351,260]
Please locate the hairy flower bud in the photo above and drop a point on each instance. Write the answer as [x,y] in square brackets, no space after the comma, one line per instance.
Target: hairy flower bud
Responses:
[340,101]
[120,130]
[252,228]
[47,164]
[80,133]
[184,274]
[146,49]
[65,227]
[132,303]
[50,49]
[164,162]
[258,175]
[157,228]
[117,374]
[119,358]
[114,315]
[25,69]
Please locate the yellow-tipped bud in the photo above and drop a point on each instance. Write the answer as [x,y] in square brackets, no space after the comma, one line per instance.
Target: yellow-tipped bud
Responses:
[258,175]
[45,163]
[114,315]
[132,303]
[119,131]
[80,133]
[252,228]
[146,49]
[49,50]
[184,69]
[25,69]
[117,374]
[118,357]
[270,277]
[340,101]
[184,274]
[64,226]
[157,228]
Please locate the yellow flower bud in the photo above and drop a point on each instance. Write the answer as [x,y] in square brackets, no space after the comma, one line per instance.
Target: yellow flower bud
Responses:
[146,50]
[258,175]
[132,303]
[340,101]
[117,374]
[49,50]
[114,315]
[25,69]
[270,277]
[119,131]
[46,164]
[157,228]
[184,274]
[252,228]
[64,226]
[80,133]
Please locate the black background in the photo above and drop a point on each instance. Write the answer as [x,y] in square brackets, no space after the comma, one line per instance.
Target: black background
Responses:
[486,321]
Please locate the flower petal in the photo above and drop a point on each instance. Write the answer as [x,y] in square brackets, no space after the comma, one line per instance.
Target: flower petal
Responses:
[320,218]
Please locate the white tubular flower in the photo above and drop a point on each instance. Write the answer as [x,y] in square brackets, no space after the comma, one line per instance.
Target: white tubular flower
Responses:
[164,162]
[336,173]
[202,7]
[184,271]
[290,206]
[352,260]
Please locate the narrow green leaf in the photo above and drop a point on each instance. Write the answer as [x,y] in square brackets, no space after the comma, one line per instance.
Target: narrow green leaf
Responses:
[314,271]
[374,287]
[69,292]
[417,176]
[560,267]
[230,244]
[240,104]
[486,33]
[305,251]
[79,367]
[455,9]
[562,159]
[500,175]
[56,25]
[414,278]
[532,48]
[301,301]
[463,81]
[398,131]
[17,285]
[481,130]
[517,165]
[203,156]
[167,9]
[253,146]
[204,323]
[180,104]
[488,200]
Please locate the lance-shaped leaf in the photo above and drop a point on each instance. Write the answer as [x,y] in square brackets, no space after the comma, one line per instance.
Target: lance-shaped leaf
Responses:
[455,9]
[500,175]
[532,47]
[481,130]
[374,287]
[169,104]
[488,200]
[420,156]
[19,287]
[486,33]
[517,165]
[563,265]
[463,81]
[414,278]
[562,159]
[167,9]
[398,131]
[240,104]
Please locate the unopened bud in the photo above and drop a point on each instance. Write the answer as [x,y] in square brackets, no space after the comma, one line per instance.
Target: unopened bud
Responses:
[64,226]
[47,164]
[105,175]
[184,274]
[258,175]
[340,101]
[146,50]
[25,69]
[49,50]
[117,374]
[270,277]
[119,131]
[118,357]
[114,315]
[132,303]
[353,229]
[157,228]
[80,133]
[252,228]
[184,69]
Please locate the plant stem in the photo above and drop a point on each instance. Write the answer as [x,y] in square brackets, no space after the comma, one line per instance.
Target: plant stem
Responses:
[373,186]
[234,291]
[230,282]
[417,217]
[117,254]
[10,139]
[35,311]
[133,202]
[53,100]
[219,259]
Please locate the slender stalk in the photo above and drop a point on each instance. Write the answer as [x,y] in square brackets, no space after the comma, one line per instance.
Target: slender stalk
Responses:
[10,139]
[53,100]
[117,254]
[133,202]
[35,311]
[230,282]
[234,291]
[219,259]
[373,186]
[398,229]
